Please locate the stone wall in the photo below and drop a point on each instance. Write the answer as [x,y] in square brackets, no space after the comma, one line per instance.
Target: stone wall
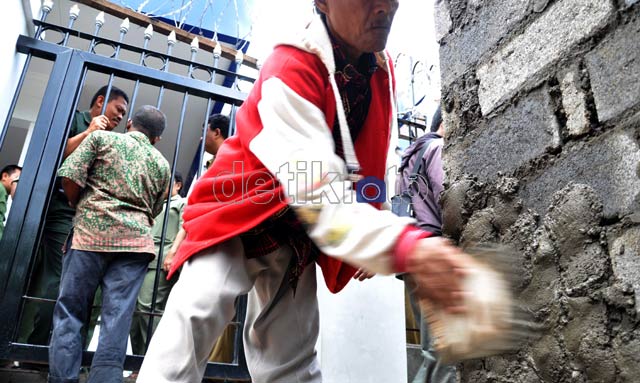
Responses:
[542,110]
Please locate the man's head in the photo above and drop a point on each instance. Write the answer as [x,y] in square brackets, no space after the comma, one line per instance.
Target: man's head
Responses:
[436,122]
[9,174]
[116,106]
[150,121]
[361,26]
[177,184]
[217,132]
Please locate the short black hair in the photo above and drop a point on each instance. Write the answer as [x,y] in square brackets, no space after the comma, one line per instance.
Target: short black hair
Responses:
[436,120]
[10,169]
[178,178]
[219,121]
[149,120]
[115,93]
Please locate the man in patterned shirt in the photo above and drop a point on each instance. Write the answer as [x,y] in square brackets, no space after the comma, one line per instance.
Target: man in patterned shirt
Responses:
[118,183]
[37,317]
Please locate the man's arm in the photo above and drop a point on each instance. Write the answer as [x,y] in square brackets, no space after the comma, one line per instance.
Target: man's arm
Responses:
[168,259]
[75,169]
[97,123]
[163,198]
[435,172]
[72,190]
[292,106]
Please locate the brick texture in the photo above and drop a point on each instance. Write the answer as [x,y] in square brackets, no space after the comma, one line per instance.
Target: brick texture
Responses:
[523,132]
[574,102]
[464,47]
[609,165]
[625,259]
[544,41]
[614,67]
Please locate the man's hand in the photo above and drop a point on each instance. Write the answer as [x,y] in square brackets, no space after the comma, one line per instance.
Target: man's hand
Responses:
[362,274]
[72,191]
[168,259]
[438,267]
[100,122]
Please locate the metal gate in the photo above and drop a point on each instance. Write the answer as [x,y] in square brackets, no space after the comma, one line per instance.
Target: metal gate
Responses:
[61,98]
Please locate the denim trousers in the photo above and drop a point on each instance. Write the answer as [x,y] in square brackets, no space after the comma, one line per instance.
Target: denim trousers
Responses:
[120,275]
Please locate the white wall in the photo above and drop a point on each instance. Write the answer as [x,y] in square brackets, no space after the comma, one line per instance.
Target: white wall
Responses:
[362,332]
[13,19]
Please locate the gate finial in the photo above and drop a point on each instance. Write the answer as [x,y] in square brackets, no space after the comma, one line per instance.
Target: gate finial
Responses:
[47,6]
[148,32]
[100,20]
[239,57]
[124,27]
[217,50]
[194,45]
[171,39]
[74,12]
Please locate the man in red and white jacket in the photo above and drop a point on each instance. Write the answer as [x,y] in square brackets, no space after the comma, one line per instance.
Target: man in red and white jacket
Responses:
[280,198]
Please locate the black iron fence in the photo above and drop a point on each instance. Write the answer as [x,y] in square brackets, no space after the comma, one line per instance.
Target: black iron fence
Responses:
[188,99]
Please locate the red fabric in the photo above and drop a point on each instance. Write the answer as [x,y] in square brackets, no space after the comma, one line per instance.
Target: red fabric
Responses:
[237,192]
[405,245]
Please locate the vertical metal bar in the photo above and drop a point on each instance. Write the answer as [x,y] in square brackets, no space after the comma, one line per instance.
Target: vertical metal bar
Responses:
[232,121]
[107,94]
[147,37]
[205,128]
[241,314]
[174,165]
[124,28]
[75,107]
[160,96]
[239,58]
[74,12]
[18,242]
[171,41]
[99,24]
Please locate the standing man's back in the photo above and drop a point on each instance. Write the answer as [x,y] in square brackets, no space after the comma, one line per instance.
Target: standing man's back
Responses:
[125,184]
[118,183]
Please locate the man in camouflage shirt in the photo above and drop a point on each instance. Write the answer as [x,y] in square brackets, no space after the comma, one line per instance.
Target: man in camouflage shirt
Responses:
[118,183]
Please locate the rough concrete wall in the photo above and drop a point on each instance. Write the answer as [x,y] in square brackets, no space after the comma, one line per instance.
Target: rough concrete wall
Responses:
[542,102]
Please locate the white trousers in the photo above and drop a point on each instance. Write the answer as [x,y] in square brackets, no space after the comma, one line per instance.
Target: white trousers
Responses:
[281,327]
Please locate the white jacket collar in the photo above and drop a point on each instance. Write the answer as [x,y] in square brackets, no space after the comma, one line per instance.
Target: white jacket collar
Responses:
[316,40]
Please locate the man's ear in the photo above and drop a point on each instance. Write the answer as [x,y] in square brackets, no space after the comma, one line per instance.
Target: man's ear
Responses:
[156,140]
[99,101]
[322,5]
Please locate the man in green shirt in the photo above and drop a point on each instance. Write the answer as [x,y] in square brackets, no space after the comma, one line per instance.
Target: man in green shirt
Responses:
[10,175]
[140,323]
[118,183]
[36,318]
